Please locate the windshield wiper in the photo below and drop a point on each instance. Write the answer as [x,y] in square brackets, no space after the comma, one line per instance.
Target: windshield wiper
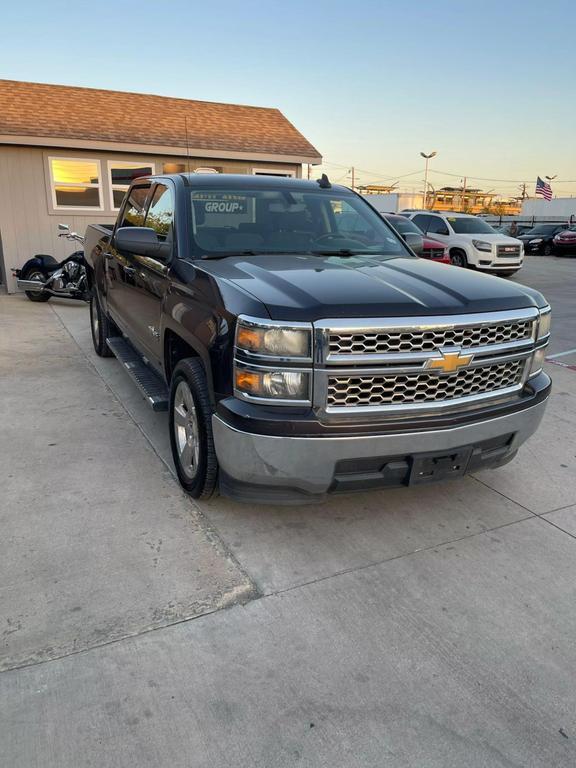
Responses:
[343,252]
[225,254]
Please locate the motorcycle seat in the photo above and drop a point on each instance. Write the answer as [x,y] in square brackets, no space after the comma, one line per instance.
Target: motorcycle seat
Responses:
[49,261]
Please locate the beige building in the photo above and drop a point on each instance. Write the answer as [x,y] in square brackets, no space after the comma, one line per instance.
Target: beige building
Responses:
[68,155]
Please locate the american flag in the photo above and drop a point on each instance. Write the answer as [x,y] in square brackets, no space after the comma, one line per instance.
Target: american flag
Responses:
[544,189]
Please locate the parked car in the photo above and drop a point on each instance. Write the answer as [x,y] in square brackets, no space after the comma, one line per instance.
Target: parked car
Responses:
[507,229]
[565,242]
[296,359]
[431,249]
[540,239]
[472,242]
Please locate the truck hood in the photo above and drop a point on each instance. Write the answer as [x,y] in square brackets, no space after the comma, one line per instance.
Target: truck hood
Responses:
[311,288]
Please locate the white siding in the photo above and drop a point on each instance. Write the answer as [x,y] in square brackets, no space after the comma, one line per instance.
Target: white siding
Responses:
[28,225]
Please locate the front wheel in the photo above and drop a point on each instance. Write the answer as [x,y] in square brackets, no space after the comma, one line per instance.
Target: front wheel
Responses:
[35,273]
[191,437]
[458,258]
[101,326]
[548,250]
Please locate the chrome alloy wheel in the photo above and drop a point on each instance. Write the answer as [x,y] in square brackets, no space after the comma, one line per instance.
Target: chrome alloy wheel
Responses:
[186,430]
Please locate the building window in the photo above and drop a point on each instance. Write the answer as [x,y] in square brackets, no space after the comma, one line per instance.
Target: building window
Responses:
[121,175]
[272,172]
[75,183]
[174,168]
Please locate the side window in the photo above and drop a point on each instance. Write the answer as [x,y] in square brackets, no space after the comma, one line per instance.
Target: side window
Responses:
[437,226]
[134,211]
[421,221]
[161,212]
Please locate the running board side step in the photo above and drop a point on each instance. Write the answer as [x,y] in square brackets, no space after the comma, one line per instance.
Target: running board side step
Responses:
[147,380]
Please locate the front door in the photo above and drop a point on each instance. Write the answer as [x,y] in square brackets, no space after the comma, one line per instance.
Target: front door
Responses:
[120,267]
[150,276]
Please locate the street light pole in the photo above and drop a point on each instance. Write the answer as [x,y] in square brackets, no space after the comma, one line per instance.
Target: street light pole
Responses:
[427,158]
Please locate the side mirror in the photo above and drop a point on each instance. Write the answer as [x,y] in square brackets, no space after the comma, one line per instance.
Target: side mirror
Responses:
[142,241]
[63,227]
[415,242]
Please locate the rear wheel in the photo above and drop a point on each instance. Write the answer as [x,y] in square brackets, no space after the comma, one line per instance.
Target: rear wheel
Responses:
[35,273]
[458,258]
[101,326]
[191,430]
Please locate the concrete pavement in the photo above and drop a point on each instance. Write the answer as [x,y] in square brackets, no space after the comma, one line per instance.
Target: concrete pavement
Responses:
[418,627]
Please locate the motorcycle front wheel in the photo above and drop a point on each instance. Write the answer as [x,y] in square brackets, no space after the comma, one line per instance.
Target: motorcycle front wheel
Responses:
[35,273]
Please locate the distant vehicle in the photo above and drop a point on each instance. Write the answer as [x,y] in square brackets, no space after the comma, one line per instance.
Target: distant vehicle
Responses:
[565,242]
[472,242]
[505,229]
[540,239]
[432,249]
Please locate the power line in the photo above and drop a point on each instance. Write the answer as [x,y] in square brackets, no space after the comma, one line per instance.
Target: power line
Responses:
[376,174]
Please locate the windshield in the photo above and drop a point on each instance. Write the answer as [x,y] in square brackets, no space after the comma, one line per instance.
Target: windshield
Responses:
[543,229]
[255,221]
[470,225]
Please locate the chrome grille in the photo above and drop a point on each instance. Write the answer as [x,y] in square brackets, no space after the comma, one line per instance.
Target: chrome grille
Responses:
[397,389]
[508,251]
[434,253]
[417,340]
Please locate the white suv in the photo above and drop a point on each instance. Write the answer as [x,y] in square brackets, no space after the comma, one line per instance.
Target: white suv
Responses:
[471,241]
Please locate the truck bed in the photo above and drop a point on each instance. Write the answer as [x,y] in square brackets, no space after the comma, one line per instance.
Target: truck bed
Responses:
[94,234]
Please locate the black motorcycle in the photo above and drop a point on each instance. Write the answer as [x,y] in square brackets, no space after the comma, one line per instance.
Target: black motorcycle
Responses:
[42,276]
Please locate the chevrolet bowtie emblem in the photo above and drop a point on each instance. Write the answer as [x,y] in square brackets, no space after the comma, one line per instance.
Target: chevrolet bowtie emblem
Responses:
[450,362]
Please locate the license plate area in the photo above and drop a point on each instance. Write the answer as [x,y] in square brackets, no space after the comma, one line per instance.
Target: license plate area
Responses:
[430,467]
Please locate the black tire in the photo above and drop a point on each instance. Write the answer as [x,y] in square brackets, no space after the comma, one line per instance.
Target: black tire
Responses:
[101,326]
[35,273]
[191,430]
[458,258]
[548,250]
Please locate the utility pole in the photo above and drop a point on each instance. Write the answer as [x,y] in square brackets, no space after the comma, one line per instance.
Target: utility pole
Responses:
[352,169]
[464,195]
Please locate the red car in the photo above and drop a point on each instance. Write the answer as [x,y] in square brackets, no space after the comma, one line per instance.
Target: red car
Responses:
[433,249]
[565,242]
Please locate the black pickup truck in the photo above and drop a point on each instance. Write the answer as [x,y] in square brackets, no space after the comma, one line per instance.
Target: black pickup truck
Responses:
[300,346]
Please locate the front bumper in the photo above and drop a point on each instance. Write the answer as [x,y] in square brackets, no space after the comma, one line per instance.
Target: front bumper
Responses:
[288,469]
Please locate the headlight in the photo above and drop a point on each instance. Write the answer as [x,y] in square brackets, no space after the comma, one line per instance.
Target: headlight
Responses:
[273,385]
[535,241]
[544,324]
[263,338]
[537,361]
[481,245]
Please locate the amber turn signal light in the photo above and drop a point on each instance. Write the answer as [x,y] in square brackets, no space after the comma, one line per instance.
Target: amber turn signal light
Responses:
[246,381]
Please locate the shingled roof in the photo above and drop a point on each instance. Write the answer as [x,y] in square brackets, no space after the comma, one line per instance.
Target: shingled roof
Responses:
[74,115]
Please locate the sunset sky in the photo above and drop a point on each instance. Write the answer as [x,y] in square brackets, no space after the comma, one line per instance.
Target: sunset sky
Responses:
[489,86]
